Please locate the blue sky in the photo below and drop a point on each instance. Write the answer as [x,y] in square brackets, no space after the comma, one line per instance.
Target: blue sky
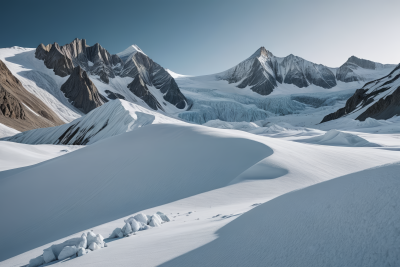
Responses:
[204,37]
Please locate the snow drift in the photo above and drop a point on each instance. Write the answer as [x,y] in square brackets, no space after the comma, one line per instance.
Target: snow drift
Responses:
[348,221]
[338,138]
[72,193]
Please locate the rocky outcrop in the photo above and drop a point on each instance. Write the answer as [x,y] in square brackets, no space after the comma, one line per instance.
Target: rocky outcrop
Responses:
[153,75]
[81,91]
[19,109]
[350,106]
[139,88]
[379,99]
[10,106]
[95,60]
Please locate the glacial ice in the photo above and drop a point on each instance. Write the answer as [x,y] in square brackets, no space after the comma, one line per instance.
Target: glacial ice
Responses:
[210,104]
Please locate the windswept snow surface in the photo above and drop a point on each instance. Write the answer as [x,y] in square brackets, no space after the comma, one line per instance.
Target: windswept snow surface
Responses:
[202,178]
[113,118]
[6,131]
[349,221]
[338,138]
[14,155]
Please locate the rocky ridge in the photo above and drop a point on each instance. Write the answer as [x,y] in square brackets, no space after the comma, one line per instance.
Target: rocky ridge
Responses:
[95,60]
[378,99]
[20,109]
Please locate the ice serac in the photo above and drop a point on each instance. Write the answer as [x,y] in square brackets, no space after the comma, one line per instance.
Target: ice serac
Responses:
[263,71]
[19,109]
[147,73]
[379,99]
[113,118]
[81,91]
[357,69]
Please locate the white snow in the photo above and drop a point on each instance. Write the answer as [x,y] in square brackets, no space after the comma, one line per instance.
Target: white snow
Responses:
[203,178]
[14,155]
[6,131]
[113,118]
[338,138]
[124,55]
[39,80]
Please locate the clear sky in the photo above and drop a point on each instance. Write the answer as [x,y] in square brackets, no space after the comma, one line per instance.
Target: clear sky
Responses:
[204,37]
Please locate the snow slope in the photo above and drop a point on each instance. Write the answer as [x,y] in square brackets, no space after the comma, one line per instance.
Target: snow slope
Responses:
[116,177]
[13,155]
[113,118]
[39,80]
[349,221]
[338,138]
[6,131]
[205,177]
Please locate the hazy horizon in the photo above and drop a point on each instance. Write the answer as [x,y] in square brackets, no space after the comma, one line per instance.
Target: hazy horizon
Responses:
[199,38]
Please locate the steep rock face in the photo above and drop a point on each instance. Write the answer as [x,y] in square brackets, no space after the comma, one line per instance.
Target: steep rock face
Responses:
[19,109]
[10,107]
[263,71]
[350,106]
[81,91]
[354,69]
[152,75]
[95,60]
[139,88]
[379,99]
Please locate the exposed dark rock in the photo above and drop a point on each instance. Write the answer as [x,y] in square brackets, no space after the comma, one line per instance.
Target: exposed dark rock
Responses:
[10,107]
[139,88]
[263,71]
[96,60]
[17,104]
[350,106]
[56,60]
[81,91]
[373,99]
[152,74]
[112,95]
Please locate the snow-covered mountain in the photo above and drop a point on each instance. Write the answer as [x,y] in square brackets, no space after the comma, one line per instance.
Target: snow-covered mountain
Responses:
[21,109]
[113,118]
[378,99]
[263,71]
[357,69]
[151,83]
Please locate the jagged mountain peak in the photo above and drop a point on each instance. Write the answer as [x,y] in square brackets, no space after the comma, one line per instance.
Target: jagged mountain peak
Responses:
[261,52]
[128,52]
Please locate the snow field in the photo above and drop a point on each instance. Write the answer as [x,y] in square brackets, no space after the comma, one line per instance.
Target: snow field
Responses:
[196,213]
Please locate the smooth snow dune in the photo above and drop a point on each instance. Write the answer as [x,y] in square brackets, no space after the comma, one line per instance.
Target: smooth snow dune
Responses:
[338,138]
[116,177]
[13,155]
[349,221]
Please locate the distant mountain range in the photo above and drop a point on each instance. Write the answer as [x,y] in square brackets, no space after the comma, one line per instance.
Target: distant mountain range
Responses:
[54,84]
